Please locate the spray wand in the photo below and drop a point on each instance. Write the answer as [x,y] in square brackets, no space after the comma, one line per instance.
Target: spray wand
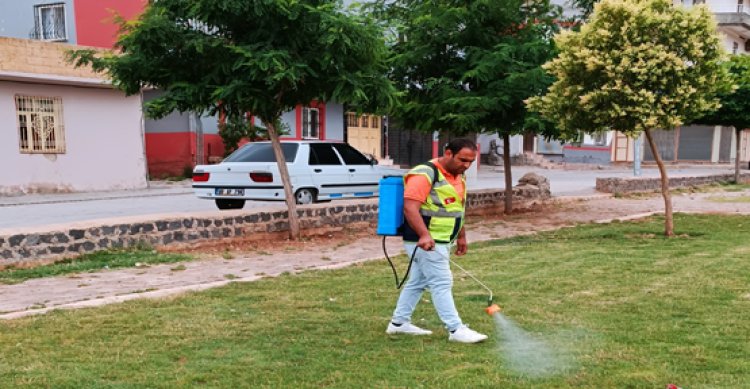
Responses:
[492,308]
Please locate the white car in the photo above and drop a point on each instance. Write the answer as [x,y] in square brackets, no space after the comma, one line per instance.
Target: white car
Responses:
[318,170]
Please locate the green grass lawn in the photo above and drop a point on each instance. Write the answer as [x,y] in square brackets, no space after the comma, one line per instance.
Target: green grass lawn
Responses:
[108,259]
[621,306]
[737,199]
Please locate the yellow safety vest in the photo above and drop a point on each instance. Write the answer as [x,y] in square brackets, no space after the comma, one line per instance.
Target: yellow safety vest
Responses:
[443,210]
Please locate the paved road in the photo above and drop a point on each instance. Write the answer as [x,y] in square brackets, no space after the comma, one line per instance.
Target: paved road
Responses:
[581,180]
[32,211]
[60,209]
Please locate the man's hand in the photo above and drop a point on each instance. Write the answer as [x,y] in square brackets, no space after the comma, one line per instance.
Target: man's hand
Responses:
[461,246]
[426,242]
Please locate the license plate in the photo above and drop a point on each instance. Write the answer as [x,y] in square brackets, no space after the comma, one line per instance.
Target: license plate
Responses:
[229,192]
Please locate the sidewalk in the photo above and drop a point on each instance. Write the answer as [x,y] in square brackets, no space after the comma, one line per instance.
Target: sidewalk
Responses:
[155,188]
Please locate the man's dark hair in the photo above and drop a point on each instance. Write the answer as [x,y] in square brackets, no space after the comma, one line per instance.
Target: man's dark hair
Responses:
[455,145]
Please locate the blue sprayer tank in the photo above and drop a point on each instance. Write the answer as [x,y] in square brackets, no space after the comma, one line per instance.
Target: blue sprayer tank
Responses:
[391,205]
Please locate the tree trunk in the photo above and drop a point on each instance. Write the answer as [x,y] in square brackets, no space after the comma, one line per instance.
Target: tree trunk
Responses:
[668,219]
[200,158]
[508,175]
[737,156]
[281,162]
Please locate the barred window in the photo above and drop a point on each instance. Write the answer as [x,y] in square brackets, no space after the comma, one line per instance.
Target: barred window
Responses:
[40,125]
[49,22]
[310,123]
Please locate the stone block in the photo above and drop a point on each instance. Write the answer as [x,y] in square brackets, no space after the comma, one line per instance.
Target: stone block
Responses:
[77,234]
[32,240]
[16,240]
[61,238]
[57,249]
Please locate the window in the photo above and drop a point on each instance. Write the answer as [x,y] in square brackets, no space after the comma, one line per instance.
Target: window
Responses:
[323,154]
[364,119]
[600,138]
[49,22]
[375,122]
[262,152]
[735,47]
[40,125]
[351,155]
[310,123]
[351,119]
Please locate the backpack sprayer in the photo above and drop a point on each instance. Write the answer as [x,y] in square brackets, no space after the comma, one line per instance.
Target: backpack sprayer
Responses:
[390,220]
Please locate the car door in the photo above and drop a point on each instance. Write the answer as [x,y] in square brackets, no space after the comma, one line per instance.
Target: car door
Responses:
[364,177]
[329,174]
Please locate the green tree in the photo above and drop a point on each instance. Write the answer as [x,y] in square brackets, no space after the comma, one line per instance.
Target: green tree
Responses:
[584,7]
[735,104]
[263,57]
[466,67]
[636,66]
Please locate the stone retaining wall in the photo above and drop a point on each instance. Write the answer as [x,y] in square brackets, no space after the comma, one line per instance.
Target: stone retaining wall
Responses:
[638,184]
[29,248]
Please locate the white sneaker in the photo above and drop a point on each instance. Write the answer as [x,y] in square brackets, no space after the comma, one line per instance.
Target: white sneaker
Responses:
[406,328]
[465,334]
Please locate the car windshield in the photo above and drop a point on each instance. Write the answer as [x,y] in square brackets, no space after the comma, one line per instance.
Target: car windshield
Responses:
[262,152]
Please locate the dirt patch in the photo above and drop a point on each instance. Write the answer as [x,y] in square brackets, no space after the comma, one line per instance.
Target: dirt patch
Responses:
[269,243]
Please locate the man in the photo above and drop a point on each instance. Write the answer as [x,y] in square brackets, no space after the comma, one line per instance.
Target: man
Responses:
[434,216]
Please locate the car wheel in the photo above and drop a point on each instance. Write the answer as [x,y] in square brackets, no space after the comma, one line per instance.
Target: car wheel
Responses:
[305,196]
[230,203]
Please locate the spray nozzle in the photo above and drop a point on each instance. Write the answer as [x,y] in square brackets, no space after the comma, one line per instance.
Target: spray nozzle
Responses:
[492,309]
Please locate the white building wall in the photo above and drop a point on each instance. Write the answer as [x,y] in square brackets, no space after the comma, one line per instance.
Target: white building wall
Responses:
[733,44]
[715,6]
[103,137]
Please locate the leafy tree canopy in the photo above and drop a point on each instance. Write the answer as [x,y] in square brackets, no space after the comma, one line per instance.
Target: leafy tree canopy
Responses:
[735,103]
[585,7]
[468,66]
[263,57]
[636,65]
[238,56]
